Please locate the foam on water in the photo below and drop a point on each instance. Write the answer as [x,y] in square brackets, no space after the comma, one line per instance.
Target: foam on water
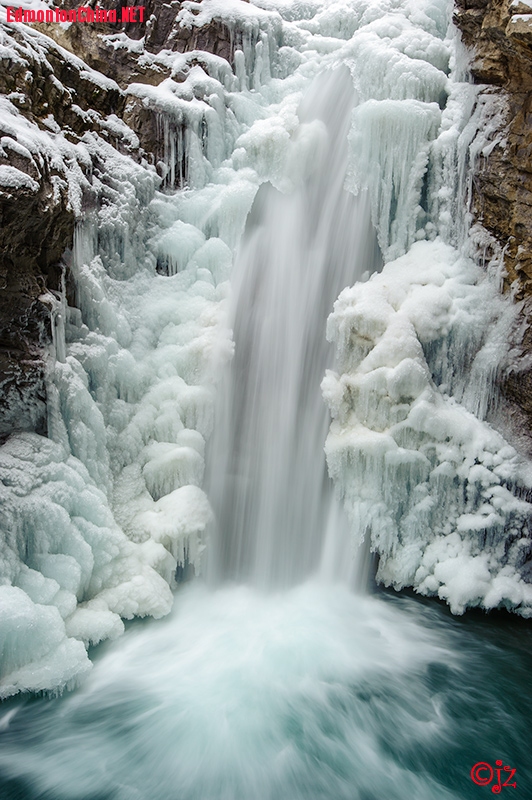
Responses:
[308,694]
[238,694]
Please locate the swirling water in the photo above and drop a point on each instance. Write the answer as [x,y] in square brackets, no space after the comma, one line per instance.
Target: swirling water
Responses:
[313,693]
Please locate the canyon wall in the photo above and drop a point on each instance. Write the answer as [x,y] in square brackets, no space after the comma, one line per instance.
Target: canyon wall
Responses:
[499,36]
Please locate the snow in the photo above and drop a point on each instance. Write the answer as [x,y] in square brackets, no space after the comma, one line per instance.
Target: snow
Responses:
[517,18]
[12,178]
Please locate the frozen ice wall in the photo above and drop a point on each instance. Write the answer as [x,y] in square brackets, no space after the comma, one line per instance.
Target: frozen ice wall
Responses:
[441,494]
[96,518]
[442,497]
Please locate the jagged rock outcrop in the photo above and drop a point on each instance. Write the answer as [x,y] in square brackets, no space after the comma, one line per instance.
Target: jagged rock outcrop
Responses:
[33,231]
[499,33]
[111,49]
[49,101]
[141,52]
[36,217]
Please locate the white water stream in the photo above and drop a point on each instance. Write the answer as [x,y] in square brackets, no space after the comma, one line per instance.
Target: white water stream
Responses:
[272,497]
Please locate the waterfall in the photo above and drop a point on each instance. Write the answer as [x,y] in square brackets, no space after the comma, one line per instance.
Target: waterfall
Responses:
[314,260]
[282,357]
[271,495]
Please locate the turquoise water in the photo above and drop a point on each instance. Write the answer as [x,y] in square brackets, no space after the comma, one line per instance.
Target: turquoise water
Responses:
[314,693]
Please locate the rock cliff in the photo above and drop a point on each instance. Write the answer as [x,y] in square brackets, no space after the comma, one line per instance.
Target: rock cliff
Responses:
[38,159]
[499,34]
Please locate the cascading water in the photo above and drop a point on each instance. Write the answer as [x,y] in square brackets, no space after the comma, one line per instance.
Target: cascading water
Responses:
[307,691]
[271,495]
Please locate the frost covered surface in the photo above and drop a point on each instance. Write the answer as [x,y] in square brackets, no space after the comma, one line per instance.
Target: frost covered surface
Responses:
[96,519]
[437,489]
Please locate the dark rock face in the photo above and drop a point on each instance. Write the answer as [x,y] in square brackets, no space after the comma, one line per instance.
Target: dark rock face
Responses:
[161,29]
[500,36]
[502,42]
[33,234]
[35,227]
[49,102]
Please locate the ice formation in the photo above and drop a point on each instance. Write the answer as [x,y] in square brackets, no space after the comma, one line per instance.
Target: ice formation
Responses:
[96,518]
[441,493]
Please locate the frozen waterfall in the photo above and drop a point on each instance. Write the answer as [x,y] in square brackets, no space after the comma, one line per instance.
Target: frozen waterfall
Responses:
[277,352]
[326,173]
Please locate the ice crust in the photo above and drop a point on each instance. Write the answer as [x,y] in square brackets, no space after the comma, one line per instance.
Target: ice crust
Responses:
[441,493]
[96,518]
